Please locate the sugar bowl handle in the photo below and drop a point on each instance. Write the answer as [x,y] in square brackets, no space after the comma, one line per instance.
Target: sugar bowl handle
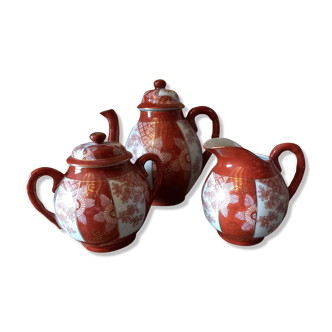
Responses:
[300,166]
[215,125]
[140,164]
[32,190]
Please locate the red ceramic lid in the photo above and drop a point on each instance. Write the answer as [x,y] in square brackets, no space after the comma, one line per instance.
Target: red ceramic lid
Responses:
[160,98]
[98,153]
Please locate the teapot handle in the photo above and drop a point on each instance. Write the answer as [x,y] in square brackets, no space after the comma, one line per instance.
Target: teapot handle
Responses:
[300,166]
[32,190]
[140,164]
[215,125]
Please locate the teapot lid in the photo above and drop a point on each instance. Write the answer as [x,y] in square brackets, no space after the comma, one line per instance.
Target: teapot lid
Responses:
[160,98]
[98,153]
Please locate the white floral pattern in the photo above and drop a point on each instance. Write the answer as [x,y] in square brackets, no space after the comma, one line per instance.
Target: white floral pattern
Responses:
[216,197]
[164,156]
[184,158]
[102,210]
[145,187]
[188,132]
[128,197]
[224,196]
[64,206]
[272,203]
[108,214]
[249,215]
[82,203]
[261,205]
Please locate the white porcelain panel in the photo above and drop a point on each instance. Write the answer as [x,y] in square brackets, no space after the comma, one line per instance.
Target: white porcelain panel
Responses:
[65,202]
[272,202]
[195,151]
[211,213]
[129,203]
[138,146]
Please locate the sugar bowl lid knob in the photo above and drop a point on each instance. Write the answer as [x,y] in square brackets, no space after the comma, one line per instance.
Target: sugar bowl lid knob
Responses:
[98,137]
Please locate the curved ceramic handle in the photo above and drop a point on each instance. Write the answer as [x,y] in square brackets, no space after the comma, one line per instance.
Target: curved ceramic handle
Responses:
[300,166]
[140,164]
[32,190]
[215,125]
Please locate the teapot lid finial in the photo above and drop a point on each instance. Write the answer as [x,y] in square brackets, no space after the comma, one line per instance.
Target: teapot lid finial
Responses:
[159,84]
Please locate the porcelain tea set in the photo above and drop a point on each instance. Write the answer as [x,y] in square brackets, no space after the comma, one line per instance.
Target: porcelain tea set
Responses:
[105,195]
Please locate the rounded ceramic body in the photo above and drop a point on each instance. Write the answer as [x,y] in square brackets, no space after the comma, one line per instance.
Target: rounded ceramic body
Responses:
[169,135]
[244,197]
[102,207]
[244,210]
[163,130]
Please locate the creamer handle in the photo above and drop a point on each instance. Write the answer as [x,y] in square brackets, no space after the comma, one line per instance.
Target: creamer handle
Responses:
[299,167]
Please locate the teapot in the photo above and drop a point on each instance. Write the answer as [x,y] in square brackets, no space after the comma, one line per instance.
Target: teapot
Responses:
[163,130]
[103,199]
[245,197]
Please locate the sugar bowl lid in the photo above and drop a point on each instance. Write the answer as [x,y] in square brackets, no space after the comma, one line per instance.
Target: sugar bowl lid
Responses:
[160,98]
[98,153]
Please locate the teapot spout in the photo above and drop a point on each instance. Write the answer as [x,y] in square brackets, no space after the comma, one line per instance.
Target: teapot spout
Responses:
[114,131]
